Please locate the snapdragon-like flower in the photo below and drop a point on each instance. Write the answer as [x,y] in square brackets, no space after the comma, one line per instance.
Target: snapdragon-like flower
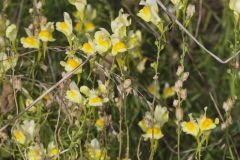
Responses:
[30,42]
[45,34]
[11,32]
[88,47]
[118,46]
[79,4]
[19,136]
[205,123]
[135,39]
[190,127]
[72,63]
[85,23]
[149,12]
[100,123]
[36,152]
[151,125]
[52,150]
[73,94]
[25,132]
[102,40]
[154,89]
[119,24]
[235,6]
[96,152]
[66,26]
[200,126]
[168,91]
[94,99]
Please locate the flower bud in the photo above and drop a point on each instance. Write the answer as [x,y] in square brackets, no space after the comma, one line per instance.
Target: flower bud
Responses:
[190,10]
[179,114]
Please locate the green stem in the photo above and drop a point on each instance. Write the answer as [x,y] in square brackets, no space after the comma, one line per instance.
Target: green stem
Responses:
[178,141]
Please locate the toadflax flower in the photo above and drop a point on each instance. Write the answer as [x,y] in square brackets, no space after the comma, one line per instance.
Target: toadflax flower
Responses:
[52,150]
[73,94]
[94,99]
[96,152]
[85,23]
[36,152]
[118,46]
[168,91]
[205,123]
[102,40]
[66,26]
[199,127]
[119,24]
[25,132]
[151,125]
[11,32]
[79,4]
[30,42]
[190,127]
[19,136]
[45,34]
[235,6]
[72,63]
[100,123]
[88,47]
[149,12]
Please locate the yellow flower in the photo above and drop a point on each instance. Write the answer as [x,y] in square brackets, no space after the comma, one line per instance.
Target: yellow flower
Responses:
[19,136]
[102,40]
[135,39]
[161,115]
[52,150]
[100,124]
[11,32]
[119,24]
[153,89]
[95,152]
[30,42]
[102,88]
[45,36]
[73,94]
[95,101]
[190,127]
[88,47]
[143,125]
[149,12]
[168,91]
[118,47]
[66,26]
[205,123]
[79,4]
[72,63]
[153,133]
[145,14]
[89,27]
[78,26]
[35,153]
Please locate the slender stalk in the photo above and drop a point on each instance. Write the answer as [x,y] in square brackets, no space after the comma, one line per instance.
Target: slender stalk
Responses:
[178,141]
